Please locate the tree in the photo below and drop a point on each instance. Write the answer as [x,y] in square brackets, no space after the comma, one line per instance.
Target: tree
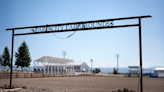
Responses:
[0,59]
[10,65]
[23,56]
[98,70]
[93,71]
[6,57]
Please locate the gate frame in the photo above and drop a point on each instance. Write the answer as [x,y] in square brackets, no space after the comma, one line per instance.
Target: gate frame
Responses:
[77,29]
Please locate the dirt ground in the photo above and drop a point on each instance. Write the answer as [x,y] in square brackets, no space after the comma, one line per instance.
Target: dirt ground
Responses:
[86,84]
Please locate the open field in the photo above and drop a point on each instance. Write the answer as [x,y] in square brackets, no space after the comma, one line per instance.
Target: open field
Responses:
[86,84]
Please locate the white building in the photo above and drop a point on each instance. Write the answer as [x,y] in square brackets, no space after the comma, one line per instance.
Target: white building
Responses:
[81,67]
[159,71]
[58,66]
[54,66]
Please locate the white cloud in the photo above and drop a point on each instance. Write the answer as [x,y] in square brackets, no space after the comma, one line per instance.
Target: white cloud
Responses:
[134,61]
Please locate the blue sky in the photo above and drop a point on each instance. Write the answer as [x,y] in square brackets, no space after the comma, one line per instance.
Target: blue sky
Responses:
[101,45]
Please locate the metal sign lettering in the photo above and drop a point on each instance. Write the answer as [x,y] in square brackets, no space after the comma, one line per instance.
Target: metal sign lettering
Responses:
[81,25]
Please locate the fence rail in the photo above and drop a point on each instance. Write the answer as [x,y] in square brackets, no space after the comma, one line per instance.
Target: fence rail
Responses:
[38,75]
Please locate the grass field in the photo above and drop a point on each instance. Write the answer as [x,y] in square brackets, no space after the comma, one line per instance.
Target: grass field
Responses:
[86,84]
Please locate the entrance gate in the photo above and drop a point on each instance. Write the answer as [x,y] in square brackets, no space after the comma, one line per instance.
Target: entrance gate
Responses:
[79,26]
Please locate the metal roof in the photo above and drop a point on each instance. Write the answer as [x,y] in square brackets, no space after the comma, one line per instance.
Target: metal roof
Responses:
[78,63]
[159,69]
[48,59]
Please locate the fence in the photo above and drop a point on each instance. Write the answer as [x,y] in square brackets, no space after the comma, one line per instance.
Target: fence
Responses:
[19,75]
[38,75]
[153,75]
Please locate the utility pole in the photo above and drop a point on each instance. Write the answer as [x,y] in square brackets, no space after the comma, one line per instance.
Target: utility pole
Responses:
[91,65]
[117,56]
[64,54]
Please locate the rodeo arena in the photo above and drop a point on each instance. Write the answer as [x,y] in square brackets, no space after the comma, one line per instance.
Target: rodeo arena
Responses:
[48,69]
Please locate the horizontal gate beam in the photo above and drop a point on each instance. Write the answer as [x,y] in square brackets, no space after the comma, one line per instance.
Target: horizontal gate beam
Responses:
[82,29]
[136,17]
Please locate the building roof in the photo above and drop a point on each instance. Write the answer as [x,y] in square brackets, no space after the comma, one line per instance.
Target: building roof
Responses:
[133,66]
[78,63]
[48,59]
[159,69]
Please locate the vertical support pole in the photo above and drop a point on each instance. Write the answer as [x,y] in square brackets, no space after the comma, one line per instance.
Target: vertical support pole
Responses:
[34,64]
[91,65]
[65,66]
[37,67]
[41,67]
[55,66]
[11,72]
[51,65]
[48,66]
[117,56]
[117,64]
[44,65]
[62,67]
[58,67]
[73,67]
[140,47]
[53,69]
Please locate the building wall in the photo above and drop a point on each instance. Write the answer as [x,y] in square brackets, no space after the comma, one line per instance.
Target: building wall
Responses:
[78,68]
[82,68]
[85,67]
[58,70]
[159,72]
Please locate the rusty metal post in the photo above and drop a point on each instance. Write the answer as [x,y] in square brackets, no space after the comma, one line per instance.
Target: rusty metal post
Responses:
[11,70]
[140,51]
